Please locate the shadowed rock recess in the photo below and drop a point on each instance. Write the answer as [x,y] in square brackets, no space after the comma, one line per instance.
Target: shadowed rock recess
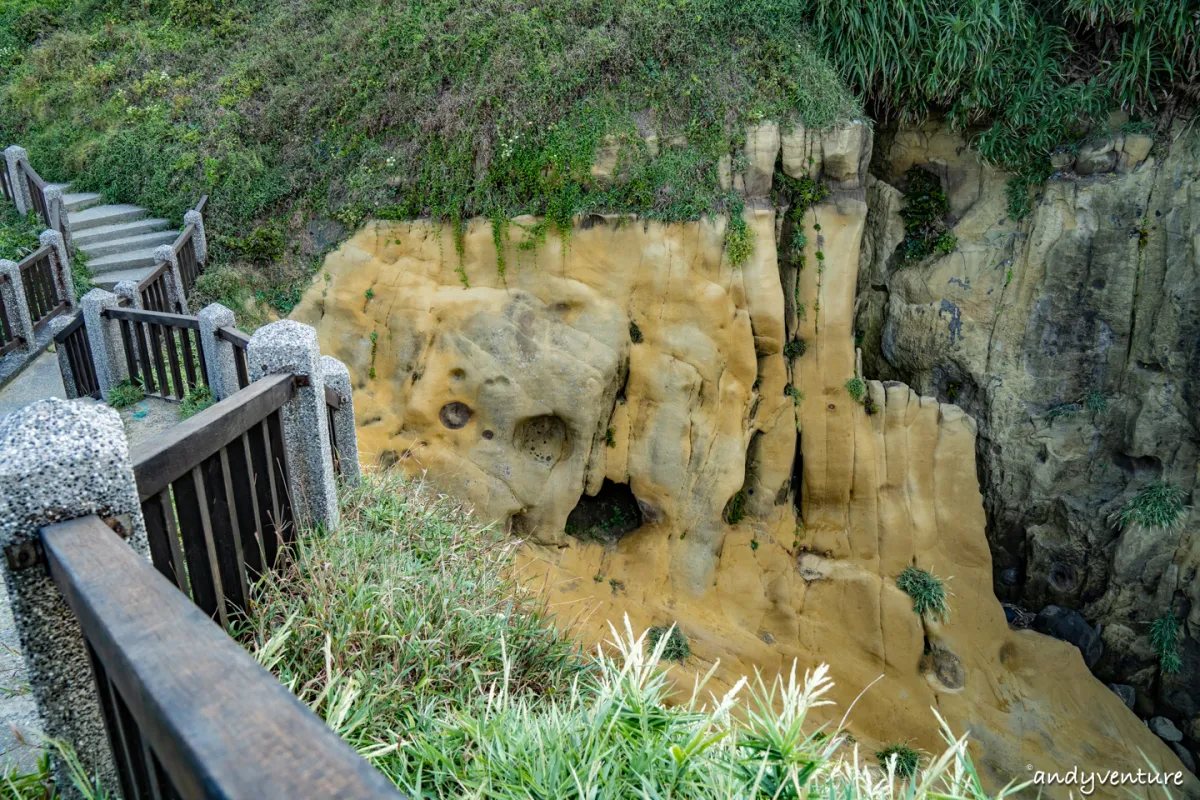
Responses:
[734,488]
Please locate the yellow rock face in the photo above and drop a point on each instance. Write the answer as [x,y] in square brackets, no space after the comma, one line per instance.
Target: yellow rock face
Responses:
[633,354]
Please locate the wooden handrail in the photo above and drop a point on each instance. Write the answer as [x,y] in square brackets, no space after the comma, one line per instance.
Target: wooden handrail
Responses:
[153,276]
[182,238]
[201,204]
[33,175]
[165,458]
[332,398]
[216,722]
[34,257]
[75,324]
[156,317]
[234,337]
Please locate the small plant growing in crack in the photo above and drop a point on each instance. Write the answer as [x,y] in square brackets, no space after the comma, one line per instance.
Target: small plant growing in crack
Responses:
[928,592]
[676,648]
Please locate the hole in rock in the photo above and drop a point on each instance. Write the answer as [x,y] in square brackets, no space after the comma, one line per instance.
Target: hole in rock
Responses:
[388,459]
[455,415]
[608,516]
[544,438]
[1139,466]
[488,435]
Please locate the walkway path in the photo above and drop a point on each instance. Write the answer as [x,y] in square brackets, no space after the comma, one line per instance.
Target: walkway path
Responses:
[119,240]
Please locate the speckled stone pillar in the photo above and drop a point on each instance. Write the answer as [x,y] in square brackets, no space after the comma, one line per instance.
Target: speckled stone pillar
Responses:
[200,238]
[61,263]
[12,294]
[13,157]
[166,253]
[56,208]
[104,336]
[128,290]
[218,353]
[61,460]
[289,346]
[345,437]
[64,363]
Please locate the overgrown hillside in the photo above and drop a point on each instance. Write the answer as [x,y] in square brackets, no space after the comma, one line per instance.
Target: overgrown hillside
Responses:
[303,118]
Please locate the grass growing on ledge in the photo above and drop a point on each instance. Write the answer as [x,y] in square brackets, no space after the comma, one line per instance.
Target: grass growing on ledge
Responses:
[928,592]
[1164,636]
[125,394]
[907,760]
[196,400]
[1157,505]
[676,648]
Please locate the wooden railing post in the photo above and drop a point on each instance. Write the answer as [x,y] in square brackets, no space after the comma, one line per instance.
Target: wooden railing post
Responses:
[62,460]
[165,254]
[199,238]
[16,305]
[64,361]
[218,353]
[343,434]
[289,346]
[14,158]
[104,337]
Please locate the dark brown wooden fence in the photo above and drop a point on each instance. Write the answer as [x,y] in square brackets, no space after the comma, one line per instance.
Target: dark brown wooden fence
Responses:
[9,340]
[73,340]
[5,189]
[41,288]
[163,352]
[333,401]
[214,495]
[37,192]
[241,343]
[189,713]
[155,291]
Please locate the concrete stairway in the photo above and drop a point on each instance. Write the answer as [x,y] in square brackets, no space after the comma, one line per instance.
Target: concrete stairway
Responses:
[119,240]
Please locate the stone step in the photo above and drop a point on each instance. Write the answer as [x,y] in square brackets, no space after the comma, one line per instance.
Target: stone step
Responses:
[109,280]
[130,259]
[106,233]
[78,201]
[140,242]
[96,216]
[62,187]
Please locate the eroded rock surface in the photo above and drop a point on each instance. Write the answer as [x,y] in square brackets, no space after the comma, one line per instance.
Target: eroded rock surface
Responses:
[774,513]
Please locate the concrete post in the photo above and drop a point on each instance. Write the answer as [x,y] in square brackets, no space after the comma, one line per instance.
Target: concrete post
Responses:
[218,353]
[64,363]
[337,377]
[128,290]
[289,346]
[12,294]
[13,158]
[166,253]
[62,460]
[104,336]
[61,263]
[200,238]
[56,209]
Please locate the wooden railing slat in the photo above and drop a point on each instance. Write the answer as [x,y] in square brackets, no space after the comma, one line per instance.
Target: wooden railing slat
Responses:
[157,317]
[219,724]
[169,456]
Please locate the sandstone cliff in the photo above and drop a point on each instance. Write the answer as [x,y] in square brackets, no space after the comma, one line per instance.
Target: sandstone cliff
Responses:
[1074,339]
[622,398]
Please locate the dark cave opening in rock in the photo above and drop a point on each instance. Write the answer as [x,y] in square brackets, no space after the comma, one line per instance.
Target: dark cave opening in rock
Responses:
[608,516]
[798,479]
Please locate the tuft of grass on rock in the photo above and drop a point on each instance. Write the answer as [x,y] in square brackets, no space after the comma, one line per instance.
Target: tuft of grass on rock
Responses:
[735,509]
[928,592]
[795,348]
[676,647]
[906,760]
[196,400]
[857,388]
[1159,505]
[125,394]
[1164,636]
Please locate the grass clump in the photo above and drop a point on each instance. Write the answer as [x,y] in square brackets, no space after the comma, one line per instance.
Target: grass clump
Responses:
[1164,637]
[735,509]
[739,240]
[925,207]
[901,758]
[676,647]
[1159,504]
[18,234]
[928,592]
[196,400]
[857,388]
[125,394]
[795,348]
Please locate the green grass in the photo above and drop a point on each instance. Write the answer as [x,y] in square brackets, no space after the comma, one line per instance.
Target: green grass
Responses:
[196,400]
[1157,505]
[676,647]
[907,760]
[284,113]
[795,348]
[1164,636]
[405,633]
[38,783]
[125,394]
[735,509]
[924,212]
[928,592]
[18,234]
[857,388]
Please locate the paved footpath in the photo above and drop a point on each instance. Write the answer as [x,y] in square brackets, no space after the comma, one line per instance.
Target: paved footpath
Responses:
[19,724]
